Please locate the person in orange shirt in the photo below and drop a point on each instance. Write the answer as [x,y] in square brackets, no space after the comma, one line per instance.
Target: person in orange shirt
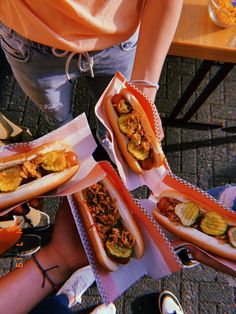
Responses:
[49,44]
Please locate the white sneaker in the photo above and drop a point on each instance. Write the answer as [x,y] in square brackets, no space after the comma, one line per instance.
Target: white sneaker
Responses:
[103,309]
[169,304]
[78,283]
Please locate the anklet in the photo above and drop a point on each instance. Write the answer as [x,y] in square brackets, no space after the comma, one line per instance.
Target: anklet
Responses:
[44,272]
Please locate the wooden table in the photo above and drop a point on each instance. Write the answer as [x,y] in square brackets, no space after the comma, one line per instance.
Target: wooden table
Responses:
[198,37]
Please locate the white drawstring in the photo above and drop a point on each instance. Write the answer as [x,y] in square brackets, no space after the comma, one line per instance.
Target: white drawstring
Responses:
[59,54]
[90,62]
[70,57]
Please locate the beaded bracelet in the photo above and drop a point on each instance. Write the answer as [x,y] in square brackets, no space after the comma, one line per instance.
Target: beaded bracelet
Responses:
[145,83]
[44,272]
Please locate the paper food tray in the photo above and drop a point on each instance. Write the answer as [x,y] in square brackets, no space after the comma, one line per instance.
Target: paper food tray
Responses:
[78,134]
[171,181]
[129,177]
[159,258]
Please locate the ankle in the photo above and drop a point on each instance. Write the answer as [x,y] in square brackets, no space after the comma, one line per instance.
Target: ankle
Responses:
[53,258]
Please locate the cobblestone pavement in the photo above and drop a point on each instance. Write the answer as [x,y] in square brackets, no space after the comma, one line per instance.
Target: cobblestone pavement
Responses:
[204,158]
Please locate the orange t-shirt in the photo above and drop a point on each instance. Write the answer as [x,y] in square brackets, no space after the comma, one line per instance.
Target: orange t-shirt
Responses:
[73,25]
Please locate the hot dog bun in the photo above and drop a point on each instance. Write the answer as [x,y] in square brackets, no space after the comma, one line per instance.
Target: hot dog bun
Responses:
[194,234]
[155,156]
[128,222]
[38,186]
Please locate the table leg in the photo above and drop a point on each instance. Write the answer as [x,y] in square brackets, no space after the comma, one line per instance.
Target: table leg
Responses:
[196,80]
[205,66]
[225,68]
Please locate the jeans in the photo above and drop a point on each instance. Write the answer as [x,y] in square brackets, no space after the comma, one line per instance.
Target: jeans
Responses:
[225,194]
[42,77]
[57,304]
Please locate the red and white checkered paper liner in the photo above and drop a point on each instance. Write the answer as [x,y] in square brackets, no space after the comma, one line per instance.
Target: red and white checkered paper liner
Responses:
[77,133]
[159,259]
[131,179]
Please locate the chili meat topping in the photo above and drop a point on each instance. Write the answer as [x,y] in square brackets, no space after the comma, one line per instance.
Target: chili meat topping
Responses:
[106,216]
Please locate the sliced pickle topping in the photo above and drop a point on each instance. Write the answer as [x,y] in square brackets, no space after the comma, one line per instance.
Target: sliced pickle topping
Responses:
[123,107]
[187,213]
[232,236]
[10,179]
[213,224]
[118,253]
[119,245]
[54,161]
[127,124]
[137,151]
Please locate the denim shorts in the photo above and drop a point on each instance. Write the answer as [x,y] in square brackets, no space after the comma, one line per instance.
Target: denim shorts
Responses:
[42,77]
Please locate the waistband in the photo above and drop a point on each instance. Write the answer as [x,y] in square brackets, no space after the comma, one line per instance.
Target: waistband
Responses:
[29,42]
[56,52]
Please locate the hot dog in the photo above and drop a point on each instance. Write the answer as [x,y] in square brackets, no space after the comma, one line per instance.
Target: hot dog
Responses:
[133,132]
[197,224]
[36,172]
[111,228]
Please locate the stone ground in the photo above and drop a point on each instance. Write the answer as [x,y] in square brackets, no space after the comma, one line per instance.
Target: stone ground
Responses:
[204,158]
